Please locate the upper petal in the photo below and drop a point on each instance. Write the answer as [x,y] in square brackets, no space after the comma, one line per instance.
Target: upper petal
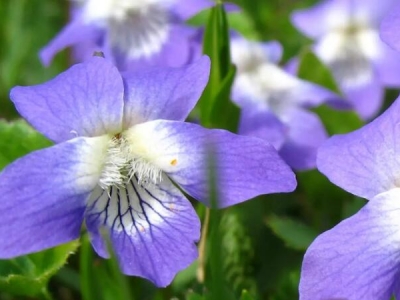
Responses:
[336,14]
[328,14]
[365,162]
[188,8]
[76,32]
[246,167]
[359,258]
[43,196]
[164,93]
[85,100]
[153,228]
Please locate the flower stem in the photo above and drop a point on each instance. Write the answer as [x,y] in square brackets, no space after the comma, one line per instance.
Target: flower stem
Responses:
[202,248]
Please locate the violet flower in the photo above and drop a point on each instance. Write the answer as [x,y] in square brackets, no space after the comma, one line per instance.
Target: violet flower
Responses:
[347,40]
[134,34]
[120,143]
[274,103]
[360,257]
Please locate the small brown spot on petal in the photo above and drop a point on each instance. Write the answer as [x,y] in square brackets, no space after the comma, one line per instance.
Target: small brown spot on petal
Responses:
[174,162]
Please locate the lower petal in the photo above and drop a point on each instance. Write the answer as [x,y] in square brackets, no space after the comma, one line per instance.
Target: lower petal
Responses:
[367,98]
[43,197]
[306,133]
[264,125]
[153,228]
[359,258]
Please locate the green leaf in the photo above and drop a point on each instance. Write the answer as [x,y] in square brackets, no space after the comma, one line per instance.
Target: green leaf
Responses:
[295,234]
[18,139]
[103,273]
[215,104]
[28,275]
[225,114]
[312,69]
[246,296]
[338,121]
[194,296]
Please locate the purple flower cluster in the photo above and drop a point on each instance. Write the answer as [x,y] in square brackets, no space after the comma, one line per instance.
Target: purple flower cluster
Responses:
[359,258]
[347,40]
[124,157]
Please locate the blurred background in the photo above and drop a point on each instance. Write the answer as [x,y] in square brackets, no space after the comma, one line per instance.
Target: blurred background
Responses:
[261,241]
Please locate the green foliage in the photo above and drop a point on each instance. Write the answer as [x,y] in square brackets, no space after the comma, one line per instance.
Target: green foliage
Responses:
[246,296]
[97,272]
[338,121]
[311,68]
[28,275]
[27,26]
[217,110]
[17,139]
[238,252]
[294,233]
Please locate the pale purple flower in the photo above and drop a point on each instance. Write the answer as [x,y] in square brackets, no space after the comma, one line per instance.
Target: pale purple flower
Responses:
[274,103]
[360,257]
[120,143]
[134,34]
[347,40]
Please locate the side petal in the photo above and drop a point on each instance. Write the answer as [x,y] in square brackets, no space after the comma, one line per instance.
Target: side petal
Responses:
[367,99]
[306,133]
[264,125]
[365,162]
[74,33]
[43,196]
[273,51]
[328,14]
[387,65]
[245,166]
[164,93]
[389,28]
[153,229]
[85,100]
[359,258]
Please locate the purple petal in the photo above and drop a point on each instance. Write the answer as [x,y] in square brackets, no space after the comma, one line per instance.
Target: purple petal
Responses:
[367,98]
[153,229]
[74,33]
[388,66]
[263,124]
[186,9]
[305,135]
[365,162]
[85,100]
[246,167]
[359,258]
[334,14]
[326,14]
[164,93]
[176,52]
[273,51]
[43,197]
[389,28]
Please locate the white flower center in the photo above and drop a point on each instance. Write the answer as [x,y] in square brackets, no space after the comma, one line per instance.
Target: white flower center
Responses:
[122,163]
[348,51]
[135,28]
[262,80]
